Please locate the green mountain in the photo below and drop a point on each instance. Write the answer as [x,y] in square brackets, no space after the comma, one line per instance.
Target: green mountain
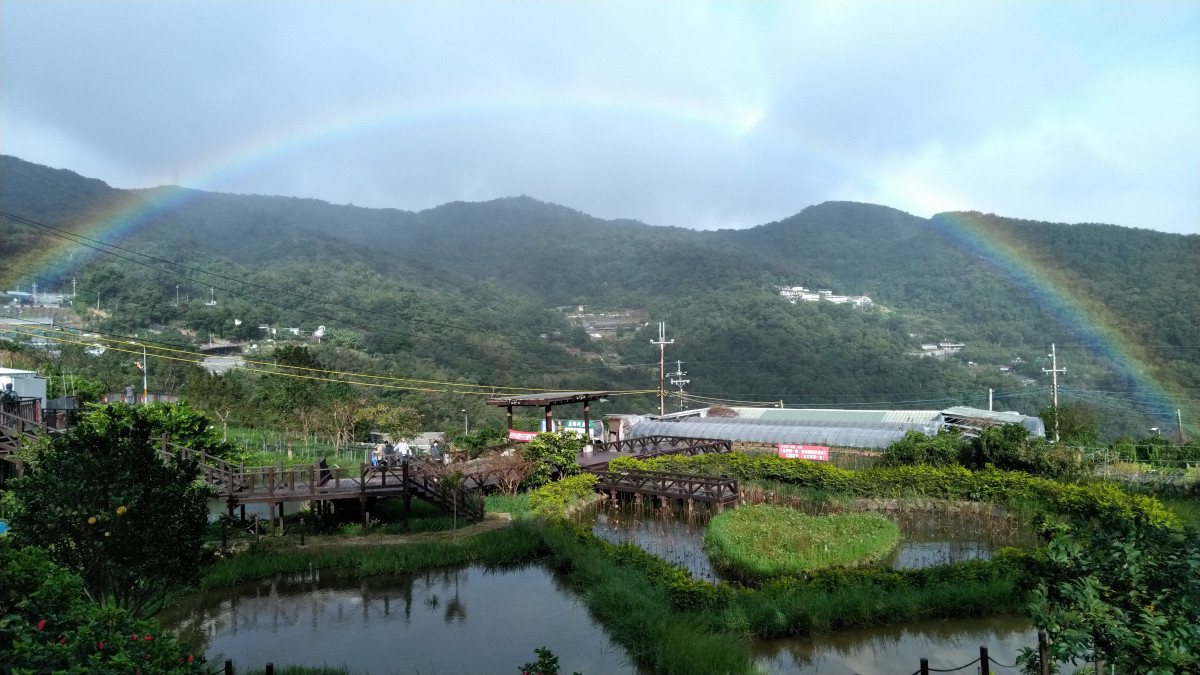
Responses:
[466,291]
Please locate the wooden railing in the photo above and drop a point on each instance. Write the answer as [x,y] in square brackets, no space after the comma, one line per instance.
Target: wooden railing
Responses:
[643,444]
[239,483]
[692,450]
[670,485]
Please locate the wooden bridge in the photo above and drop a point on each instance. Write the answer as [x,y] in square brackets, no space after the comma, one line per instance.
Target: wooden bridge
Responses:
[646,447]
[238,485]
[670,485]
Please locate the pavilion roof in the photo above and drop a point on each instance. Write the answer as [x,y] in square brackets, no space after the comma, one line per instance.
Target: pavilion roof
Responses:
[548,398]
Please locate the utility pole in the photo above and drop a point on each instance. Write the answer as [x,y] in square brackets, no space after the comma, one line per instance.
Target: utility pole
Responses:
[73,289]
[662,366]
[1054,371]
[989,399]
[1179,425]
[679,383]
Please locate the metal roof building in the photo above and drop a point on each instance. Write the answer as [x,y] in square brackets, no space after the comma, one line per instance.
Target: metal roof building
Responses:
[834,428]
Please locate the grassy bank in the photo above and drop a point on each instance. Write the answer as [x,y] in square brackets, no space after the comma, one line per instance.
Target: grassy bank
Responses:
[512,545]
[768,541]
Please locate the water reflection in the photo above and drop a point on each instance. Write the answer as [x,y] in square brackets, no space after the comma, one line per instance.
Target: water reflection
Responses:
[899,649]
[470,620]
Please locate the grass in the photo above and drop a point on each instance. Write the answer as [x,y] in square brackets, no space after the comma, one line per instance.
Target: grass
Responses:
[767,541]
[497,547]
[1186,508]
[516,506]
[773,612]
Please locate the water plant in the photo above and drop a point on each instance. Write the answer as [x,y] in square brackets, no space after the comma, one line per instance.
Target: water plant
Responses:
[767,541]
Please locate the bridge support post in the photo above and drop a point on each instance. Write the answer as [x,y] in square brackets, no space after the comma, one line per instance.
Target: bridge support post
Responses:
[408,492]
[242,508]
[271,506]
[281,519]
[366,517]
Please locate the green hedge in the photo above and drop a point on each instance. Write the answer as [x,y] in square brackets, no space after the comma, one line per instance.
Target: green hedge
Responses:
[551,501]
[1092,501]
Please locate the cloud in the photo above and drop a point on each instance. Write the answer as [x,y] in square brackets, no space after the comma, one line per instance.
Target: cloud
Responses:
[691,114]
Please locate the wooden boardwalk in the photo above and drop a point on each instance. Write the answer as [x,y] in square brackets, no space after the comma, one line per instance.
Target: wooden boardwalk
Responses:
[669,485]
[238,485]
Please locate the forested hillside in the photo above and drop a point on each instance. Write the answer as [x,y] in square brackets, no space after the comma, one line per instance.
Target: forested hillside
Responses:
[468,291]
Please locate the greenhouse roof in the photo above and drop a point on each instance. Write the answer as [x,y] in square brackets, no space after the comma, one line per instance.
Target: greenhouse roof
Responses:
[748,431]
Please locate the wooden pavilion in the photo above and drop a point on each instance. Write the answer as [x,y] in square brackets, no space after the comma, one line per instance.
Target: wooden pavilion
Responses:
[548,400]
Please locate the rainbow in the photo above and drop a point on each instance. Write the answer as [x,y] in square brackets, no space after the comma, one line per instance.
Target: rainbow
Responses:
[131,212]
[1049,287]
[221,168]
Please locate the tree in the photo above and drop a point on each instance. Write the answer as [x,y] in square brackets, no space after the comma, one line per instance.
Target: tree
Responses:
[109,508]
[551,453]
[396,421]
[179,422]
[342,414]
[1078,424]
[1121,592]
[508,470]
[219,394]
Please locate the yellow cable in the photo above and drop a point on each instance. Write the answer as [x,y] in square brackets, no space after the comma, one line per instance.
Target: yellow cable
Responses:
[315,370]
[297,375]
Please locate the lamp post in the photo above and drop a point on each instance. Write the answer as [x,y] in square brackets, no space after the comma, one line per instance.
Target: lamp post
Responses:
[145,391]
[466,429]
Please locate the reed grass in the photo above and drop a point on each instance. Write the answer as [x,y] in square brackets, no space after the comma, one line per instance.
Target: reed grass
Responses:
[512,545]
[773,612]
[767,541]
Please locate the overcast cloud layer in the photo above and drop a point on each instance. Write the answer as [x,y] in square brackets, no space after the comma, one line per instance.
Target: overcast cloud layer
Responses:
[688,114]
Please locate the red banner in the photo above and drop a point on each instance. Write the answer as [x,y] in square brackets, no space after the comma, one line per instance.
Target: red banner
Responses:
[813,453]
[521,436]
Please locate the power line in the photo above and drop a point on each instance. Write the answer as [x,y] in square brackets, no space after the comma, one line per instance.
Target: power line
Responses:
[122,340]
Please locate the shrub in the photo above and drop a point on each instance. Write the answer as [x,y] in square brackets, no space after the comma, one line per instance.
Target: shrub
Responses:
[948,447]
[552,500]
[550,454]
[1090,501]
[48,626]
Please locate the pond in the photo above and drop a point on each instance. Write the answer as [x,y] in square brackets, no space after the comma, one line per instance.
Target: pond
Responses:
[931,536]
[888,650]
[465,620]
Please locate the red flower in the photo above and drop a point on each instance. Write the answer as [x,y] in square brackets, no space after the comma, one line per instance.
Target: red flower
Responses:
[41,624]
[134,636]
[101,646]
[148,638]
[62,641]
[190,657]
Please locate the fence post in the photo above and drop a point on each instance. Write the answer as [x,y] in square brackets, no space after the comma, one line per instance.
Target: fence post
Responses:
[228,666]
[985,664]
[924,667]
[270,669]
[1043,653]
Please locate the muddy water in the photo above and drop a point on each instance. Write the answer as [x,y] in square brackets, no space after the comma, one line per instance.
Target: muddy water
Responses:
[468,620]
[889,650]
[931,536]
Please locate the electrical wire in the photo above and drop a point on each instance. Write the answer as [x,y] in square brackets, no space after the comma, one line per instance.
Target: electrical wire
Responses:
[495,391]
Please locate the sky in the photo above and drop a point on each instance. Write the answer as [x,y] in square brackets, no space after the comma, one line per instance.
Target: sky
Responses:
[699,115]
